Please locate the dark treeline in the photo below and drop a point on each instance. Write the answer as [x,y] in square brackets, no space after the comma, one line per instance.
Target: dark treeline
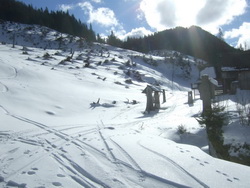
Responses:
[12,10]
[192,41]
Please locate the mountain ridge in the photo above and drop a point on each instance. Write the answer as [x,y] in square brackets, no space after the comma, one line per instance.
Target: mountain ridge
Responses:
[193,41]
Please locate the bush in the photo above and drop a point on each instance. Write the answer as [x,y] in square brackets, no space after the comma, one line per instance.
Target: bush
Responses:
[181,129]
[214,120]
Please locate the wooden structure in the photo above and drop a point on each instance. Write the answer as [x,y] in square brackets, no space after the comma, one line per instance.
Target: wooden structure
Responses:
[190,97]
[153,97]
[230,75]
[207,91]
[195,86]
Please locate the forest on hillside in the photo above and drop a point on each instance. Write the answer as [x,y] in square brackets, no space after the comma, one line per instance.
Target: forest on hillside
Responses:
[193,41]
[12,10]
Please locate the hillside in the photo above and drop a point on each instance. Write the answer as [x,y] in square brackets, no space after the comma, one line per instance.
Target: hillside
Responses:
[192,41]
[16,11]
[73,115]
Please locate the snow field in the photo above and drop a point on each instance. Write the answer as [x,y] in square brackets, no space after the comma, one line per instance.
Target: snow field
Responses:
[55,134]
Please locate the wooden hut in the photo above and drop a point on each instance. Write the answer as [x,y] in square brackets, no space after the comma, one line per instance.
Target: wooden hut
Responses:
[153,97]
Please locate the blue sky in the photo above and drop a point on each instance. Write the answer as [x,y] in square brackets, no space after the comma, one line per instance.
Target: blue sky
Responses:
[142,17]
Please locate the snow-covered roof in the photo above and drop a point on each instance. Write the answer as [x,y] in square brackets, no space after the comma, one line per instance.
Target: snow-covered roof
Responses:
[213,81]
[228,69]
[154,88]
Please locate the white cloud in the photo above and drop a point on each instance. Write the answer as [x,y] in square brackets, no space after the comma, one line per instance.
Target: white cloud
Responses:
[242,34]
[65,7]
[97,1]
[86,6]
[137,33]
[104,16]
[209,14]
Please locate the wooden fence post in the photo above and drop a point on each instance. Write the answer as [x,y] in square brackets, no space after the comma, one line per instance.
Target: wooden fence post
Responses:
[164,96]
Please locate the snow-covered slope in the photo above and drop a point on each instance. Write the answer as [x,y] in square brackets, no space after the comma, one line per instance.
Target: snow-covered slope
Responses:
[81,123]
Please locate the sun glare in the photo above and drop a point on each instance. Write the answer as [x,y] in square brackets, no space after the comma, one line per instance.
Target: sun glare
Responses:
[186,11]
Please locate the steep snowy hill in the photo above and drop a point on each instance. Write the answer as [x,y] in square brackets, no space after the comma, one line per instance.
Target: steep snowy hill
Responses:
[74,117]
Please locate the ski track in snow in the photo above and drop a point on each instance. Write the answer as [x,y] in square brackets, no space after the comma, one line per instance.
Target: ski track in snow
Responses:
[3,88]
[175,164]
[13,73]
[51,148]
[142,173]
[78,173]
[10,75]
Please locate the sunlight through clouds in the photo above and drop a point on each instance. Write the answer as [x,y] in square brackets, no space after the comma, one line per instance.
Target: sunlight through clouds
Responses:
[209,14]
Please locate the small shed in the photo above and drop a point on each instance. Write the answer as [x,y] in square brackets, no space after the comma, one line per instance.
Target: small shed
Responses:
[153,97]
[232,74]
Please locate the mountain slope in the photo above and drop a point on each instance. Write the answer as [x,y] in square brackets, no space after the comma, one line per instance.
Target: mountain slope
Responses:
[193,41]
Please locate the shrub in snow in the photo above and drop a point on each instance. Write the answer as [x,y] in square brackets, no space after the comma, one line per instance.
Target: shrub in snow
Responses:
[243,109]
[215,119]
[87,64]
[58,53]
[87,60]
[128,81]
[79,57]
[105,61]
[46,56]
[118,83]
[181,129]
[128,64]
[128,73]
[68,58]
[25,53]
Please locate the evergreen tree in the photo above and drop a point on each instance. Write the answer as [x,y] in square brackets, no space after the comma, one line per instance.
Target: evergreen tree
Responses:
[100,39]
[113,40]
[220,34]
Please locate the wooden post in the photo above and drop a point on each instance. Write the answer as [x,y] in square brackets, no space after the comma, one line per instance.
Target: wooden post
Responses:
[205,92]
[190,97]
[14,40]
[164,96]
[149,106]
[157,100]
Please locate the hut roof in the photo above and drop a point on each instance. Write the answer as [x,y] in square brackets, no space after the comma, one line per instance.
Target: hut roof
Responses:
[154,88]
